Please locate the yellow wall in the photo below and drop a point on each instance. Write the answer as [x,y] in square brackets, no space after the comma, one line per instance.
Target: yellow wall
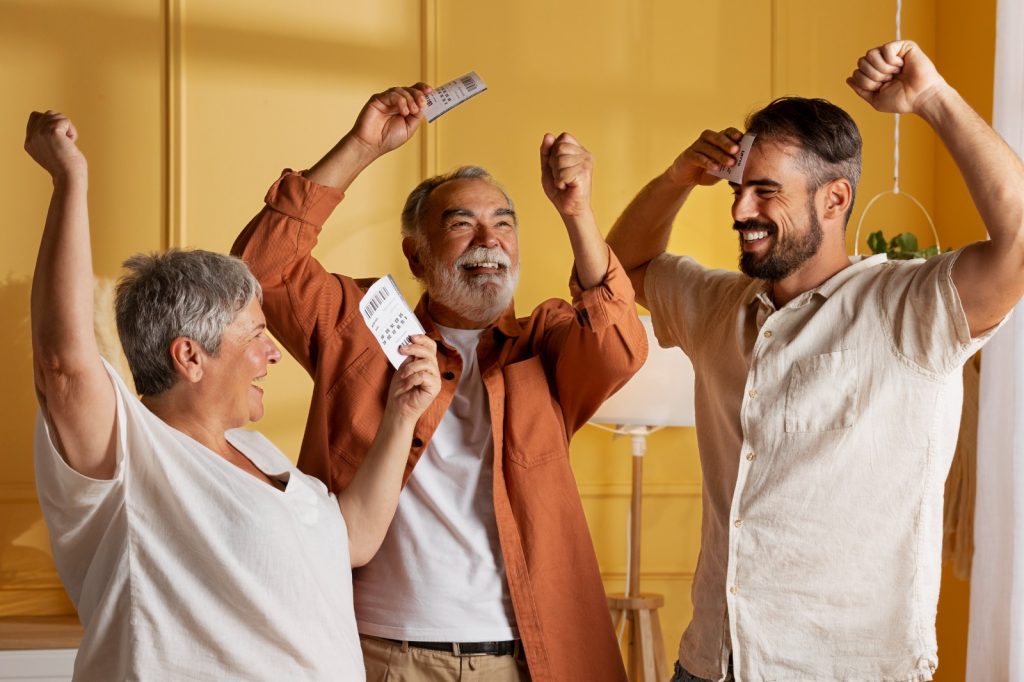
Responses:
[99,60]
[184,134]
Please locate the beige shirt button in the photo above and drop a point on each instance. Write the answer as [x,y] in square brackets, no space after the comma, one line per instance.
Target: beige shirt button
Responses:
[734,589]
[768,334]
[738,523]
[751,456]
[753,393]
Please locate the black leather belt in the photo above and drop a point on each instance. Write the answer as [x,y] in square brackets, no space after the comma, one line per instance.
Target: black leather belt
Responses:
[507,648]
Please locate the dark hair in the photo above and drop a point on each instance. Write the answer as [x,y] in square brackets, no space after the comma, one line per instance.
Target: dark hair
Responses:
[826,135]
[162,296]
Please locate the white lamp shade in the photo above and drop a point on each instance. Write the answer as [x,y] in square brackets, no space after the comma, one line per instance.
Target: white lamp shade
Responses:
[660,394]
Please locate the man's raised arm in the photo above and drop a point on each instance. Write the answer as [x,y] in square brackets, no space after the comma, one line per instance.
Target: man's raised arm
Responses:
[641,233]
[989,276]
[386,122]
[566,174]
[300,298]
[596,353]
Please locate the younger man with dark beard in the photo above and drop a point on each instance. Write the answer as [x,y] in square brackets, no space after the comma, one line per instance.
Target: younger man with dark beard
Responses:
[488,571]
[828,391]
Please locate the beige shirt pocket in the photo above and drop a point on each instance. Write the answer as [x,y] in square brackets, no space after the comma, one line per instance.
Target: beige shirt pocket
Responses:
[822,394]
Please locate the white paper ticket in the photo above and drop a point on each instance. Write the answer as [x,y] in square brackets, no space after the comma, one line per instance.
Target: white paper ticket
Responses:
[389,318]
[452,94]
[735,173]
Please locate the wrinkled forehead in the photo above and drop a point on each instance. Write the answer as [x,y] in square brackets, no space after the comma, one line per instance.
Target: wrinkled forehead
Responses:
[474,196]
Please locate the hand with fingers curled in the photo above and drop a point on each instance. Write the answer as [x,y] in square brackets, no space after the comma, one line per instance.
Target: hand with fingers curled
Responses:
[390,118]
[418,381]
[566,173]
[711,151]
[51,140]
[896,78]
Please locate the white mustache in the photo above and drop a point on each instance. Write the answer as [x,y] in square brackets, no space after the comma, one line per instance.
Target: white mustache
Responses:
[482,254]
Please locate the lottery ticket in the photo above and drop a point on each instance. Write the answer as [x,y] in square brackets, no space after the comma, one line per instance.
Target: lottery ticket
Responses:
[735,173]
[452,94]
[389,317]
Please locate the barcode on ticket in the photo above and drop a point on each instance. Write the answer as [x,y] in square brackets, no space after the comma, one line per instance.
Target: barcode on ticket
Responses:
[452,94]
[375,302]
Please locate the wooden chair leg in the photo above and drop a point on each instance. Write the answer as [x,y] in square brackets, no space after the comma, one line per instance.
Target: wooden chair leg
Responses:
[646,650]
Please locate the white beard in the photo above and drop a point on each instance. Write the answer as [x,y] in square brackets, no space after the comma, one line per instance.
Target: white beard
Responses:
[480,298]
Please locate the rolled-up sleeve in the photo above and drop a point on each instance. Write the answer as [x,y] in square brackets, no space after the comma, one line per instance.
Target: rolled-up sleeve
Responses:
[277,245]
[604,305]
[598,351]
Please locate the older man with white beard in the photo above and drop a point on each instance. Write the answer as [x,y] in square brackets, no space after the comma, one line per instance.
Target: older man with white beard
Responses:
[488,571]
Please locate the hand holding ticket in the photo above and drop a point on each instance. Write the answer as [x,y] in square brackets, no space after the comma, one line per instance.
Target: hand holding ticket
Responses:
[735,173]
[389,318]
[452,94]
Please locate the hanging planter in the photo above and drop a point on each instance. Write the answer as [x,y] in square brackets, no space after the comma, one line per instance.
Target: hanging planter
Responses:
[904,246]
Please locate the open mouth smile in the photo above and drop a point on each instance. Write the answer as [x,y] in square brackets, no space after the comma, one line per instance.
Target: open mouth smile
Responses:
[753,235]
[486,265]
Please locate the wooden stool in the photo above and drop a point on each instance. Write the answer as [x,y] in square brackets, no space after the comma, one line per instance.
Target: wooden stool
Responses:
[646,654]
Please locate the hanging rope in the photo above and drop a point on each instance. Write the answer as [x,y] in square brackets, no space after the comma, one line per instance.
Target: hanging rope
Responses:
[896,125]
[896,167]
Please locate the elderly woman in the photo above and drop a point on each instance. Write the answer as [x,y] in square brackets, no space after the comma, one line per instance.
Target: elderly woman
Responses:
[192,549]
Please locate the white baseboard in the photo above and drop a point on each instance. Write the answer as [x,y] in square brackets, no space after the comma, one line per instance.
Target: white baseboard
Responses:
[39,665]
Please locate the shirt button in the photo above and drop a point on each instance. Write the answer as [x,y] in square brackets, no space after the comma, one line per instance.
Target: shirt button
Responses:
[768,334]
[449,375]
[738,523]
[734,589]
[751,456]
[753,393]
[417,443]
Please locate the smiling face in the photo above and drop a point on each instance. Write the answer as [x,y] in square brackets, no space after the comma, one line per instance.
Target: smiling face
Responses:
[775,214]
[241,362]
[467,253]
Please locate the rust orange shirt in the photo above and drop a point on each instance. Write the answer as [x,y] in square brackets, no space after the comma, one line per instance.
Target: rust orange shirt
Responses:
[545,375]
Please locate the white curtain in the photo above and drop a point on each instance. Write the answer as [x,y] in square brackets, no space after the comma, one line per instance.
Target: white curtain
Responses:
[995,650]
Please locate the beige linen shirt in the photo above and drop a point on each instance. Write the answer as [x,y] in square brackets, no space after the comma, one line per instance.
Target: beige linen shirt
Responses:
[826,429]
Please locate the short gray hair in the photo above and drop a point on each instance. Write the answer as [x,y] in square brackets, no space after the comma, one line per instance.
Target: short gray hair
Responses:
[412,213]
[190,293]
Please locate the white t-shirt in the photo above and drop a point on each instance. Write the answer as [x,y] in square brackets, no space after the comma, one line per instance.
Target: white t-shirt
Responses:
[183,566]
[439,576]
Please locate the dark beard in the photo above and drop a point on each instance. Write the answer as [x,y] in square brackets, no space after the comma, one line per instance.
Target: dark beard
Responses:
[784,257]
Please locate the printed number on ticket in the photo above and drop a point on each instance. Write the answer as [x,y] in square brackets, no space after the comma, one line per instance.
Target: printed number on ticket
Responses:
[735,173]
[452,94]
[389,317]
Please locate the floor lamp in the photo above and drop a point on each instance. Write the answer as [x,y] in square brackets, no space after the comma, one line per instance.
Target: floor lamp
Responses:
[659,395]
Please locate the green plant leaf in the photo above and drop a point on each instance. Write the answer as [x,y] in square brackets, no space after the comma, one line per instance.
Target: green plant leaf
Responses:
[903,246]
[876,242]
[904,242]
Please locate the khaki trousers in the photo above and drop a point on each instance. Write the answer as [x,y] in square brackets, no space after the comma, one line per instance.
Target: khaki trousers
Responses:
[388,661]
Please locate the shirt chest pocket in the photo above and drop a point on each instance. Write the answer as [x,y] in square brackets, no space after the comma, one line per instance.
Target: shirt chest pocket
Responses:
[534,430]
[822,393]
